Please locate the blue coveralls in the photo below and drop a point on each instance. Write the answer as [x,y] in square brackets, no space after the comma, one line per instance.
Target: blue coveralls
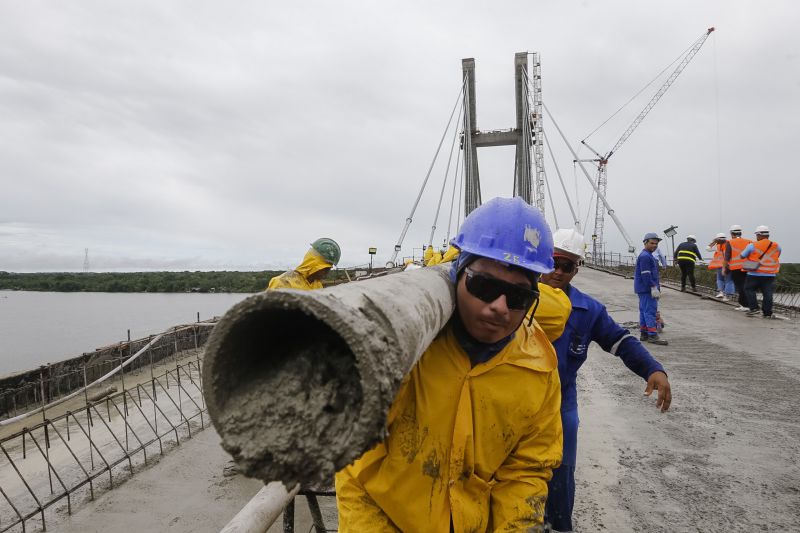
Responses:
[645,277]
[589,321]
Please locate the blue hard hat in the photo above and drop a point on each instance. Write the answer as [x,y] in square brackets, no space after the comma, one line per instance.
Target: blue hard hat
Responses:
[651,235]
[508,230]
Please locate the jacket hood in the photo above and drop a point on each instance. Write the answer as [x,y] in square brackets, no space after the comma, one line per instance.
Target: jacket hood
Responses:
[312,263]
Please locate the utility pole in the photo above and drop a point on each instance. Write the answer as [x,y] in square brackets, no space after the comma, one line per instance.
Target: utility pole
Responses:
[86,260]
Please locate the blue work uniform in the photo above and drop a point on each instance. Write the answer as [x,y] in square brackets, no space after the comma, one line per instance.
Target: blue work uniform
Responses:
[645,277]
[589,321]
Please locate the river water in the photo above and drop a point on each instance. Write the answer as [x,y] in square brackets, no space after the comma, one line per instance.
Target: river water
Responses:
[43,327]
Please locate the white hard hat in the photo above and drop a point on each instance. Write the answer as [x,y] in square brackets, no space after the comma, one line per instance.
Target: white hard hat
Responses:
[735,227]
[762,229]
[691,238]
[568,241]
[720,236]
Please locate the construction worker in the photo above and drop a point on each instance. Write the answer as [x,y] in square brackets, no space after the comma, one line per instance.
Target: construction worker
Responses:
[686,255]
[474,432]
[317,263]
[725,287]
[647,286]
[732,263]
[762,264]
[435,258]
[589,321]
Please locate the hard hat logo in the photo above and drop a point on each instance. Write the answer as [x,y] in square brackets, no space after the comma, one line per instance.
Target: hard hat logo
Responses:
[328,249]
[533,236]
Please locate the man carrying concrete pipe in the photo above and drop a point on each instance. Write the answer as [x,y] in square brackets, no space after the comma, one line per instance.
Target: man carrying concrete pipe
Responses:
[317,263]
[589,321]
[474,431]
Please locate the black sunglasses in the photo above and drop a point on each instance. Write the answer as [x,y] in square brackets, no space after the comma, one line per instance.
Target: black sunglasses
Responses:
[488,289]
[564,265]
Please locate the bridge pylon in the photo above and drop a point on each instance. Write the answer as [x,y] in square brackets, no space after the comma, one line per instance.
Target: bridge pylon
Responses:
[526,135]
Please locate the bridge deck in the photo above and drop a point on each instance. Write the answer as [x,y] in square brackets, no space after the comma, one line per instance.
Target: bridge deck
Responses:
[725,458]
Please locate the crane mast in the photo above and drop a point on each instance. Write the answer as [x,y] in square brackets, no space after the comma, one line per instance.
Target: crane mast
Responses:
[602,161]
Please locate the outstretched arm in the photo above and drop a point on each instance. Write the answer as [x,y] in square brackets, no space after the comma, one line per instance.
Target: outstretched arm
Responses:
[616,340]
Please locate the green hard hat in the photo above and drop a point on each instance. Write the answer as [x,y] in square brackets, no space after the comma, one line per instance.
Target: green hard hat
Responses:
[328,249]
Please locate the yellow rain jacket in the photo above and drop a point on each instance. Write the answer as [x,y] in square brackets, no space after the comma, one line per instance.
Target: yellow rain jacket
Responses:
[427,255]
[553,311]
[451,254]
[435,259]
[475,443]
[312,263]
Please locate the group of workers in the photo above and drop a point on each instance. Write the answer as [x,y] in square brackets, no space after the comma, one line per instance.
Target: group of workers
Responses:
[482,435]
[743,267]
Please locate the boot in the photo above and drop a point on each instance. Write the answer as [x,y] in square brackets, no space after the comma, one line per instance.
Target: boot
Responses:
[655,339]
[643,337]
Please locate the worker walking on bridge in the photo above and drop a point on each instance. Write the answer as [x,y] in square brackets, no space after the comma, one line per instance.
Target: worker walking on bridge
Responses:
[733,262]
[725,288]
[762,263]
[686,255]
[647,286]
[474,431]
[317,263]
[589,321]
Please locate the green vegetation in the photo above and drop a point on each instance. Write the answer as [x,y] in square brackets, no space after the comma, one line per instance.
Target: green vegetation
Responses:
[788,278]
[145,281]
[138,281]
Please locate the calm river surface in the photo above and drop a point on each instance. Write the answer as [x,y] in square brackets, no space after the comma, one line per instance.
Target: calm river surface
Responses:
[43,327]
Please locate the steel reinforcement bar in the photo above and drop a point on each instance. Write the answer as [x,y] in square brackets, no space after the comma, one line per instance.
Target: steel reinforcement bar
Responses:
[66,457]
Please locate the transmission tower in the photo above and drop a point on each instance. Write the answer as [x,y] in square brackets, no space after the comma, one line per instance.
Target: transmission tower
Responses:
[86,260]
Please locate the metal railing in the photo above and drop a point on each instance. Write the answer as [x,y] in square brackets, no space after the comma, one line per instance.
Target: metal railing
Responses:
[786,297]
[86,442]
[54,381]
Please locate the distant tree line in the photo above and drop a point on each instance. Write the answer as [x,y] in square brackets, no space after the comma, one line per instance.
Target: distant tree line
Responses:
[145,281]
[138,281]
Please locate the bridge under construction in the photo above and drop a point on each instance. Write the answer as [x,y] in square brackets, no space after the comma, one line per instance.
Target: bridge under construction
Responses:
[722,459]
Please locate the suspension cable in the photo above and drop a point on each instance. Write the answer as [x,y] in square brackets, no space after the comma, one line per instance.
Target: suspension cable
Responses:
[410,218]
[444,182]
[575,219]
[456,177]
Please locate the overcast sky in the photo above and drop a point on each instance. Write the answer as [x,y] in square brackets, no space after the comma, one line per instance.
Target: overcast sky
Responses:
[209,135]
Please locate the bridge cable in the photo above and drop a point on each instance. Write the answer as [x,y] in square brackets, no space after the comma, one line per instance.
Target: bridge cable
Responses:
[456,179]
[410,218]
[446,174]
[575,219]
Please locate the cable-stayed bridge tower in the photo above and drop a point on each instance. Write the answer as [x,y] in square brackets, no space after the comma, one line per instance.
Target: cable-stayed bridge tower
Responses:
[526,135]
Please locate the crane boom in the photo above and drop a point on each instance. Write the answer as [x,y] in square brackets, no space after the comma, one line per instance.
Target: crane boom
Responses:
[656,97]
[602,183]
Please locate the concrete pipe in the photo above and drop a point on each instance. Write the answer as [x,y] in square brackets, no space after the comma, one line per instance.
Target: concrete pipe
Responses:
[298,383]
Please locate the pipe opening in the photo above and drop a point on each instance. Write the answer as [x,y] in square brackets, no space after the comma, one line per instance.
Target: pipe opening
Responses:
[289,395]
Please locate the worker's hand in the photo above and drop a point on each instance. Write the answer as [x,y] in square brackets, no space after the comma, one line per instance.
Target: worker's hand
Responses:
[658,381]
[655,293]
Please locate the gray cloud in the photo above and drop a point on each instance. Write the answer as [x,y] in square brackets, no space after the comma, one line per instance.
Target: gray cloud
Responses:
[194,135]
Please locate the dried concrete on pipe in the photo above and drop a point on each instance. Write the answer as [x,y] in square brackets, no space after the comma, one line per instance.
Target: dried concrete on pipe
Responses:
[298,383]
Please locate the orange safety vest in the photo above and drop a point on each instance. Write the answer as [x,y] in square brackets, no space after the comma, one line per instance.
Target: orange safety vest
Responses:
[719,254]
[770,262]
[737,247]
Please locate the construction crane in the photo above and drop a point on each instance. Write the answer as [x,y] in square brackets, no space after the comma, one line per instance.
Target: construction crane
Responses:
[602,160]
